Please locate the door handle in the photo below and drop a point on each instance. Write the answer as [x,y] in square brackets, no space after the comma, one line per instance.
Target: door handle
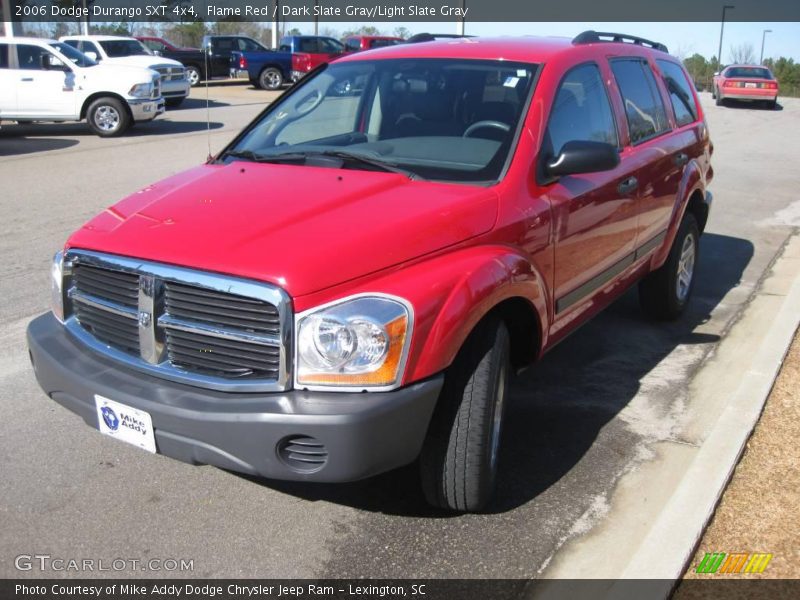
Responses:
[681,158]
[627,186]
[27,79]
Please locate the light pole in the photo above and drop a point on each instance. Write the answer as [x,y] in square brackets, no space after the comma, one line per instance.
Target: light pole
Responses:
[721,29]
[763,36]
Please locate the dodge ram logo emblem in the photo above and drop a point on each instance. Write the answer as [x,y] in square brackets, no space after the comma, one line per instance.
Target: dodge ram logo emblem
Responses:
[144,318]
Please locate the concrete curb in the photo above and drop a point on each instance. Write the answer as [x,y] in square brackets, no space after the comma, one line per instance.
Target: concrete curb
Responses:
[670,543]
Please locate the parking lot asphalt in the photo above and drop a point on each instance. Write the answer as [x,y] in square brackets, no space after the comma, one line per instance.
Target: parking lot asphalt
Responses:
[589,413]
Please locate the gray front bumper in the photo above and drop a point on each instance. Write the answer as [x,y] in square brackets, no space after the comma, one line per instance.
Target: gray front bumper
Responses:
[363,433]
[146,110]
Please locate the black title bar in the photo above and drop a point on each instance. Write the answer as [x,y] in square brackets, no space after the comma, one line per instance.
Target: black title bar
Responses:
[401,10]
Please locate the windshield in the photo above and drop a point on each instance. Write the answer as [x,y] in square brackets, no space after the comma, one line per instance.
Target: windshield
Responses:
[117,48]
[751,72]
[441,119]
[79,58]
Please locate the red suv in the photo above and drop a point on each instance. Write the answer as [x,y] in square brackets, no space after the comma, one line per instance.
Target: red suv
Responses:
[348,286]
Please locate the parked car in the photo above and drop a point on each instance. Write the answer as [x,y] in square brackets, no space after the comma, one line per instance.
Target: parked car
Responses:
[266,69]
[220,49]
[117,50]
[350,283]
[357,43]
[751,83]
[309,52]
[46,80]
[192,59]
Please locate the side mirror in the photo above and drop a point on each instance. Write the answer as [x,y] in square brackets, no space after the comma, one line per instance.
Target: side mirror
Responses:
[90,54]
[47,62]
[580,156]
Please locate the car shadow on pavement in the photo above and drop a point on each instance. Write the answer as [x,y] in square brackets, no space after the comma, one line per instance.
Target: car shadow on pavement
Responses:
[197,102]
[30,133]
[558,408]
[741,104]
[16,145]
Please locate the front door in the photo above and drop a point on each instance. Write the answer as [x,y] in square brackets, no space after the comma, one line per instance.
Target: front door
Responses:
[44,89]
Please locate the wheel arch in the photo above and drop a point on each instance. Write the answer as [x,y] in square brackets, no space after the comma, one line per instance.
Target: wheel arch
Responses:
[97,95]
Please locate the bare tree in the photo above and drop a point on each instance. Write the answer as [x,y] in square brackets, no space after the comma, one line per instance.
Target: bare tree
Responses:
[743,54]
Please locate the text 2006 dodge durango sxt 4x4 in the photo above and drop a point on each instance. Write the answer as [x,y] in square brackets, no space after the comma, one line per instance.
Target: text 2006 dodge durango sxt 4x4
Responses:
[348,285]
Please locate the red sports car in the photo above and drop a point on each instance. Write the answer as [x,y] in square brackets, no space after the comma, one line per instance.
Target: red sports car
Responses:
[746,82]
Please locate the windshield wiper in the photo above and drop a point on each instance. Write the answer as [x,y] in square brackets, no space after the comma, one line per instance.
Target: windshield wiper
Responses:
[344,156]
[370,162]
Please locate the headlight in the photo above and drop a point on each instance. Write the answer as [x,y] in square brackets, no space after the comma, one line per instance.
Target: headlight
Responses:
[359,342]
[141,90]
[56,282]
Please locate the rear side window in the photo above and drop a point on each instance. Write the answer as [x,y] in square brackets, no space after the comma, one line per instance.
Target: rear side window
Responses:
[581,110]
[680,92]
[4,62]
[73,43]
[308,45]
[224,45]
[353,44]
[644,109]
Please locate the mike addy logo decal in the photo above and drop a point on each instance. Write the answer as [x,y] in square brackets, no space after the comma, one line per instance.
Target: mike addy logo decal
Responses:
[736,562]
[124,420]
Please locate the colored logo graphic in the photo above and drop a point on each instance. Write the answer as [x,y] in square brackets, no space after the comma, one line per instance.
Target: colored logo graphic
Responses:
[110,417]
[742,562]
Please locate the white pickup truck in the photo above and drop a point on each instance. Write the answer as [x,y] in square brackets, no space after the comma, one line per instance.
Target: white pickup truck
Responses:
[46,80]
[118,50]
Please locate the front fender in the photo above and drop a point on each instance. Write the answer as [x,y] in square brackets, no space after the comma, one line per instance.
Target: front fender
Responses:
[450,293]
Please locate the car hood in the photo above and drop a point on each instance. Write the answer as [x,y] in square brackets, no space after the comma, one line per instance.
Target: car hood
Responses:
[300,227]
[104,70]
[143,61]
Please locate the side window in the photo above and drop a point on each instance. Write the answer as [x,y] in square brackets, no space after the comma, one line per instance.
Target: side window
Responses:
[329,46]
[29,57]
[308,45]
[246,45]
[680,92]
[154,45]
[224,45]
[643,106]
[4,62]
[90,47]
[581,110]
[353,44]
[284,48]
[74,43]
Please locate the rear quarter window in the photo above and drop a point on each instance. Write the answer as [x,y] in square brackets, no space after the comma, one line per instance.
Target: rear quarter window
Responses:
[680,92]
[644,108]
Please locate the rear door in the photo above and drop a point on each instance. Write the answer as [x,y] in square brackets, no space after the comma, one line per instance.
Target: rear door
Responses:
[658,156]
[8,82]
[595,214]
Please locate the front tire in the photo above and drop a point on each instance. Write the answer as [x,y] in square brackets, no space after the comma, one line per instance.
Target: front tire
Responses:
[270,79]
[108,117]
[664,293]
[458,464]
[193,76]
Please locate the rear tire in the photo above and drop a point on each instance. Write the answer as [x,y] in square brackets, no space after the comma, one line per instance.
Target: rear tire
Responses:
[718,99]
[108,117]
[270,79]
[664,293]
[772,104]
[458,464]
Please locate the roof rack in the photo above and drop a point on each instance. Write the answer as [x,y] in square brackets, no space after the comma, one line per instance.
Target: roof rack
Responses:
[592,37]
[432,37]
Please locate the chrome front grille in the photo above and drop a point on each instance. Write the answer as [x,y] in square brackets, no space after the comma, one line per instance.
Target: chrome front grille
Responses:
[200,328]
[171,73]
